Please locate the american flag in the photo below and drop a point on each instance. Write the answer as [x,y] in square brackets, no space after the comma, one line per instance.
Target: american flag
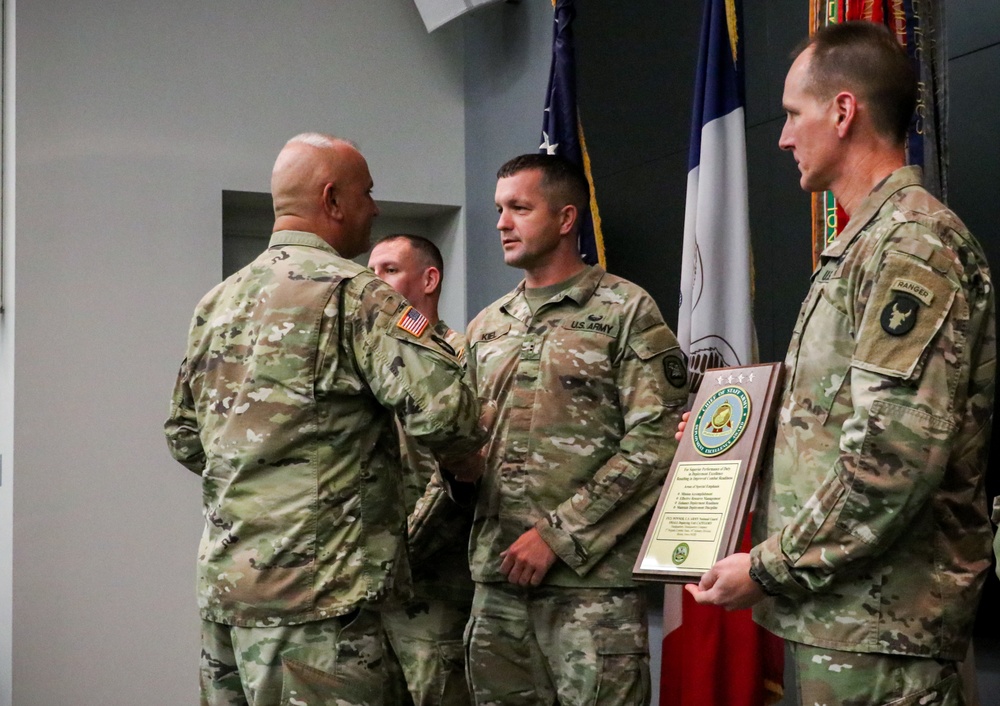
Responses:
[412,321]
[561,130]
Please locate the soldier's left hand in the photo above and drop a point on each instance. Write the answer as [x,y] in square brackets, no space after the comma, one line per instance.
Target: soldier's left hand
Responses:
[728,584]
[527,560]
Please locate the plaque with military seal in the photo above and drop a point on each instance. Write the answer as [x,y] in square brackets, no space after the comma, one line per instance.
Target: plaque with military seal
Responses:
[704,503]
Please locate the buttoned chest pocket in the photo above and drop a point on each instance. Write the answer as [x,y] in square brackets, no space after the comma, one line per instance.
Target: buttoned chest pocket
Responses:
[494,351]
[820,355]
[580,360]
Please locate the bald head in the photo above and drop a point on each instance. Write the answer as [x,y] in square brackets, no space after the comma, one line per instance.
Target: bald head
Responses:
[321,184]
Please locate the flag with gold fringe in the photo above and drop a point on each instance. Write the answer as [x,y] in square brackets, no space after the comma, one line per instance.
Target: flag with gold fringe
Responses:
[918,25]
[562,131]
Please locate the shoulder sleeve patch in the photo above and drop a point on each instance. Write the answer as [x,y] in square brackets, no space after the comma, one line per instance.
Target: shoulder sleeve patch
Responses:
[412,321]
[908,306]
[675,368]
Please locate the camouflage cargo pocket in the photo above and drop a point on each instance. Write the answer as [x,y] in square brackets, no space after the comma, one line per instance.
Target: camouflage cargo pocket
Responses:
[622,670]
[947,692]
[301,683]
[451,687]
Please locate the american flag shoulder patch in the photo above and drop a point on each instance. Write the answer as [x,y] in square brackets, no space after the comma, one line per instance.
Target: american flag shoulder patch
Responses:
[412,321]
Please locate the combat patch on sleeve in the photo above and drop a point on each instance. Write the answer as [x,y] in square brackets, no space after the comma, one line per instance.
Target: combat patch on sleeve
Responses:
[676,369]
[907,308]
[412,321]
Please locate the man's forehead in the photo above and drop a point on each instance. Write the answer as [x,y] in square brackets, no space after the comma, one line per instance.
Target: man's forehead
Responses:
[523,183]
[798,72]
[396,249]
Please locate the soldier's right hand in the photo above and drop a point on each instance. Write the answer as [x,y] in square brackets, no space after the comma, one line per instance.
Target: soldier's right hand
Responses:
[682,425]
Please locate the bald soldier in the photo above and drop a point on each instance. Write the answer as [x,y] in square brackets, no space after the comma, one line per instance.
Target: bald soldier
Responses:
[296,366]
[872,539]
[425,632]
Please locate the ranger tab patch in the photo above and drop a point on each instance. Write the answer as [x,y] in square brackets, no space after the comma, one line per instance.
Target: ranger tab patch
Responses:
[914,289]
[412,321]
[899,315]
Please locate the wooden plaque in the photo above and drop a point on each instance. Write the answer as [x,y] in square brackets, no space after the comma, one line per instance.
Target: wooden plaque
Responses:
[703,506]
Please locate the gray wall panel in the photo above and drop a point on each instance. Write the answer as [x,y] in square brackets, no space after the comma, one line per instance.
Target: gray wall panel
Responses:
[506,71]
[972,25]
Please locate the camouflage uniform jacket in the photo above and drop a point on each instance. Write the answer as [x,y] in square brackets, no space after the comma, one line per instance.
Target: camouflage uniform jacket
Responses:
[437,526]
[589,392]
[874,530]
[284,405]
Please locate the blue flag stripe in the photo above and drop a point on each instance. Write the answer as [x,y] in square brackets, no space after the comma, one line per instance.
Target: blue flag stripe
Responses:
[559,122]
[718,82]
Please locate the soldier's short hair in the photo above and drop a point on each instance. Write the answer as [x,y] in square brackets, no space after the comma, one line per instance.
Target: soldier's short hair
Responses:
[866,59]
[427,250]
[563,181]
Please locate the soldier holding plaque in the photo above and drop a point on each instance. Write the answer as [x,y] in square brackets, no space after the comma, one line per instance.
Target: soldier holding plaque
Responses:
[871,536]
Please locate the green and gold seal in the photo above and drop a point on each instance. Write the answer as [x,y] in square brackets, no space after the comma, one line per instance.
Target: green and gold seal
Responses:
[721,421]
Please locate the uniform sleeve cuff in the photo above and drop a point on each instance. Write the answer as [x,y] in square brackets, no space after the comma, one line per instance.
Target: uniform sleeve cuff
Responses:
[769,569]
[561,543]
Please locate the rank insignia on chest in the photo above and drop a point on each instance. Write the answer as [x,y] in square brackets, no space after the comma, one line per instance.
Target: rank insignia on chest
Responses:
[412,321]
[899,315]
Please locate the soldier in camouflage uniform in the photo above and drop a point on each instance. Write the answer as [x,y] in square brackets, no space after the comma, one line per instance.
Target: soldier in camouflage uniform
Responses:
[284,404]
[872,535]
[589,382]
[425,632]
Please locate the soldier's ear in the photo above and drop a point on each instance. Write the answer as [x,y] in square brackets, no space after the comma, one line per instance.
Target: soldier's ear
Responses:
[330,203]
[845,106]
[432,280]
[568,216]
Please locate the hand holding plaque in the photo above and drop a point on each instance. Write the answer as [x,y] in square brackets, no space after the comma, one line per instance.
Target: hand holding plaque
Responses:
[705,500]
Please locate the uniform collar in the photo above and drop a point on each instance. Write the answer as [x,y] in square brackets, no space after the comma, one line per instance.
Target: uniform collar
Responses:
[900,179]
[298,237]
[516,304]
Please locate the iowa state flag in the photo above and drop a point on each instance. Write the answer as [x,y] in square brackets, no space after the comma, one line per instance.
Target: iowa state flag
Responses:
[715,325]
[712,657]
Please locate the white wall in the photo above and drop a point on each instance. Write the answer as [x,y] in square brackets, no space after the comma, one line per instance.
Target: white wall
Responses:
[132,117]
[6,365]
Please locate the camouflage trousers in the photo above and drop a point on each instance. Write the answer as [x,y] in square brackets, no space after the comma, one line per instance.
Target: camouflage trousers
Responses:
[555,645]
[833,678]
[333,662]
[426,641]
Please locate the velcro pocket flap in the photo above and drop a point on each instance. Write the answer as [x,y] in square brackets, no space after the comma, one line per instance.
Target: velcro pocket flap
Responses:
[907,308]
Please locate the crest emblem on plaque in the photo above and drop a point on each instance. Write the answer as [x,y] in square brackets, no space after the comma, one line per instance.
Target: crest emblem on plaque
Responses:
[721,421]
[680,553]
